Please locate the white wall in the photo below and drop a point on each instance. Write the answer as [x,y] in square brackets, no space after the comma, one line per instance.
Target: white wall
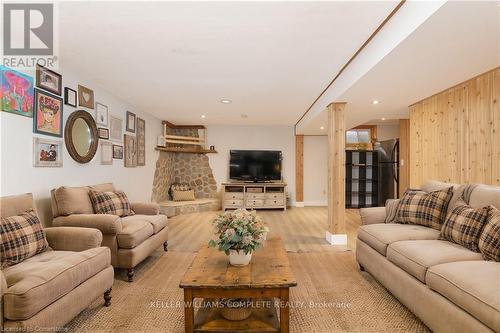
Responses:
[225,138]
[386,132]
[19,176]
[315,170]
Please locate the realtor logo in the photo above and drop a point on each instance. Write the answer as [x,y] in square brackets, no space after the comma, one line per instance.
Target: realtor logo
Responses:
[28,35]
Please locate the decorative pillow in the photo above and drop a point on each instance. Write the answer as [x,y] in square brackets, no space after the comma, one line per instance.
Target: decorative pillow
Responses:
[464,225]
[73,200]
[391,207]
[489,241]
[114,203]
[22,237]
[427,209]
[183,195]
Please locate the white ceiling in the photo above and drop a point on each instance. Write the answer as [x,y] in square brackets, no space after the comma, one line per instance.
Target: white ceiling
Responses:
[176,60]
[461,40]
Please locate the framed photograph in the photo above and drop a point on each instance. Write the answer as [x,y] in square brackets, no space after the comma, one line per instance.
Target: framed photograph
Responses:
[16,92]
[106,152]
[101,114]
[141,142]
[70,97]
[48,80]
[115,128]
[48,114]
[47,153]
[118,152]
[130,122]
[130,158]
[85,97]
[103,133]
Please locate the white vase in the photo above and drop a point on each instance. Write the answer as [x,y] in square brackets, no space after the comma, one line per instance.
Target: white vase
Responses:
[239,258]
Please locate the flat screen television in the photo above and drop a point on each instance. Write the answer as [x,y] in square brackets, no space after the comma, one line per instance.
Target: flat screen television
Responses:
[255,165]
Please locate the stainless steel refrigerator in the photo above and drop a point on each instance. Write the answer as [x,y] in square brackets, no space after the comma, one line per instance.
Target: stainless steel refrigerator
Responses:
[388,169]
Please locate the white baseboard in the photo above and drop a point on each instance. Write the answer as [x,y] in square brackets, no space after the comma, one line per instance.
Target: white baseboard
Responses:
[336,239]
[299,204]
[316,203]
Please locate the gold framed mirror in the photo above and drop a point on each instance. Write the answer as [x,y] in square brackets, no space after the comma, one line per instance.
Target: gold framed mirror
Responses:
[80,136]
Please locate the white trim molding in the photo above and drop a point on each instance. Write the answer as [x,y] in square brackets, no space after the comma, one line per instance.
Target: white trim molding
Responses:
[336,239]
[316,203]
[299,203]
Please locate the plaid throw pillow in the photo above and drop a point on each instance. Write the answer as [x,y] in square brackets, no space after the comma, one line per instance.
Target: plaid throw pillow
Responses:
[464,225]
[21,237]
[489,241]
[114,203]
[427,209]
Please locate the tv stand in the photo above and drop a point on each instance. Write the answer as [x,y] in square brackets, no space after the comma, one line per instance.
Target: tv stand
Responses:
[259,195]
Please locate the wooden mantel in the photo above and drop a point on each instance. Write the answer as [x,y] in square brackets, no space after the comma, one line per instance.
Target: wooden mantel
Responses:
[186,150]
[190,143]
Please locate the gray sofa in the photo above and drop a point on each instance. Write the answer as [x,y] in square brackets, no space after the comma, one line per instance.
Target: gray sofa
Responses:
[450,288]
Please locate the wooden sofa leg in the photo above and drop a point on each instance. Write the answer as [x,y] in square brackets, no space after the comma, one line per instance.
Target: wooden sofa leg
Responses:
[130,274]
[165,246]
[361,268]
[107,297]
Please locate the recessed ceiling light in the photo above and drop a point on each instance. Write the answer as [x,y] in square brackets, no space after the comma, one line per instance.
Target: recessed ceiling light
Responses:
[225,101]
[375,102]
[322,127]
[203,116]
[383,119]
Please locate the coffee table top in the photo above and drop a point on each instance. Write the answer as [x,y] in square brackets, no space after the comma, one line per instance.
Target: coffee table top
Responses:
[269,268]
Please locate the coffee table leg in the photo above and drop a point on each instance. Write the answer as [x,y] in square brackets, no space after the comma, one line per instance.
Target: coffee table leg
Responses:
[284,310]
[188,310]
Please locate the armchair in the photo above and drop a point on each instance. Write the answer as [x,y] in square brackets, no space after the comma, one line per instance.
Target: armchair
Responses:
[131,239]
[52,287]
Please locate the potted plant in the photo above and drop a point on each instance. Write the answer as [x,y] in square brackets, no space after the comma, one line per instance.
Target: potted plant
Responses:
[239,233]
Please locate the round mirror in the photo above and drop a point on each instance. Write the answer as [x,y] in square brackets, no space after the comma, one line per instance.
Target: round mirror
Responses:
[80,135]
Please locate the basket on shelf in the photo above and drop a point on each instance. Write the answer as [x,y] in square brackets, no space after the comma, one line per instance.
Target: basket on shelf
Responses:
[236,308]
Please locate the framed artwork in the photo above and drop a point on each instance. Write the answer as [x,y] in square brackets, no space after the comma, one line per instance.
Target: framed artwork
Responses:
[130,122]
[70,97]
[118,152]
[16,92]
[47,153]
[48,80]
[130,158]
[48,114]
[141,142]
[103,133]
[115,128]
[85,97]
[101,112]
[106,153]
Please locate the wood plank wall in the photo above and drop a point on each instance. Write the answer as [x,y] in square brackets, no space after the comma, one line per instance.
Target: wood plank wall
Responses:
[455,134]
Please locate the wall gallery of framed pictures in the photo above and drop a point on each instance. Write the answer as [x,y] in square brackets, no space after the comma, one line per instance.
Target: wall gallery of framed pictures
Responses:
[43,99]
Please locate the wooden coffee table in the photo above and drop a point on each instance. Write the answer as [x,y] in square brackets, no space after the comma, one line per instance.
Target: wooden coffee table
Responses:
[268,276]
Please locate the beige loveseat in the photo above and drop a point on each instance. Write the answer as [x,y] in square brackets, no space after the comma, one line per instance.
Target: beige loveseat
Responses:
[450,288]
[131,238]
[48,290]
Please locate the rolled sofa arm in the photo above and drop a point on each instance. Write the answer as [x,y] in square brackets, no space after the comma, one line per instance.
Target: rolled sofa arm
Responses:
[108,224]
[372,215]
[145,208]
[73,238]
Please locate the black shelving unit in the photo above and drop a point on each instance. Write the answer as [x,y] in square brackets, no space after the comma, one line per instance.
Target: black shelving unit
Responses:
[361,178]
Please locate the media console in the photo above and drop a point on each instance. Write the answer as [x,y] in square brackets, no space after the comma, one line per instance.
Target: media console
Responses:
[254,195]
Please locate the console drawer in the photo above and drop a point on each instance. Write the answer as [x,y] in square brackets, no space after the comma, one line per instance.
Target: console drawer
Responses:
[233,196]
[274,202]
[255,196]
[255,203]
[274,196]
[233,203]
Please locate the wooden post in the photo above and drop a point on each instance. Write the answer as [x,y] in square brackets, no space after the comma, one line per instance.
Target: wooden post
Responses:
[336,234]
[404,155]
[299,170]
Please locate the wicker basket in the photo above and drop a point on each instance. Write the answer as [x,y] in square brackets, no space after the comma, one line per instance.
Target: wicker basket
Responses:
[236,308]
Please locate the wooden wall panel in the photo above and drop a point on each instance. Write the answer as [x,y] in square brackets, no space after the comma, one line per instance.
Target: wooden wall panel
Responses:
[404,155]
[454,134]
[299,168]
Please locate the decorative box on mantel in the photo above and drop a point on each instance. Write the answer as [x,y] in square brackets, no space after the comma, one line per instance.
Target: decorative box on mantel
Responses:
[184,139]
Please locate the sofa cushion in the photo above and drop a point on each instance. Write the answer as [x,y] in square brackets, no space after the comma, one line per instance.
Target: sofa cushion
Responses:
[489,241]
[485,195]
[105,187]
[464,225]
[380,235]
[39,281]
[134,232]
[114,203]
[416,256]
[427,209]
[73,200]
[21,237]
[472,285]
[158,222]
